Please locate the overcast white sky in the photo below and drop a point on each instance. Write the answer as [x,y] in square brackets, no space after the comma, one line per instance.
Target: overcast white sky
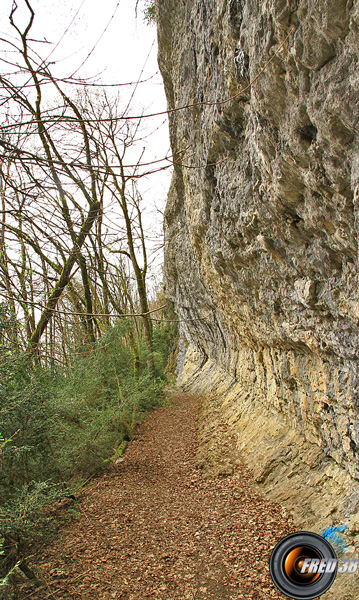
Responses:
[119,44]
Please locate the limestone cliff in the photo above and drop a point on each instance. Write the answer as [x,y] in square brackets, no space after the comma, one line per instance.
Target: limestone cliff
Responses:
[261,232]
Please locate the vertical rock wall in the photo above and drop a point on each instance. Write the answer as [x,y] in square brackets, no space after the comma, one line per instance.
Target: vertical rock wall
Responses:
[261,229]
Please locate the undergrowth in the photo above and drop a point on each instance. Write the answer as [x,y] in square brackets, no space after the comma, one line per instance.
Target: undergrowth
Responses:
[59,426]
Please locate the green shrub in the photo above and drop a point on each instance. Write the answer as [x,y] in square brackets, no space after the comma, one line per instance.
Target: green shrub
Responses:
[149,11]
[60,426]
[165,339]
[24,519]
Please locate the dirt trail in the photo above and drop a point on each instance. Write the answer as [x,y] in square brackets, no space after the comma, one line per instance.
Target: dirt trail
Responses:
[153,527]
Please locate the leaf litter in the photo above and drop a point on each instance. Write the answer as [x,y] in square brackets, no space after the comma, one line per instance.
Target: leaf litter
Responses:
[155,525]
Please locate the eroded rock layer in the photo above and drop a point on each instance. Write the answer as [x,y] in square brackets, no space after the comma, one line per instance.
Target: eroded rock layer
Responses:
[261,229]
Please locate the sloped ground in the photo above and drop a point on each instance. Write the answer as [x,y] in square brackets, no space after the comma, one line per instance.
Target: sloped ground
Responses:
[155,527]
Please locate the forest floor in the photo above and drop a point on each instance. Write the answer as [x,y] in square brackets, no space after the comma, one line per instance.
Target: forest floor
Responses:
[153,526]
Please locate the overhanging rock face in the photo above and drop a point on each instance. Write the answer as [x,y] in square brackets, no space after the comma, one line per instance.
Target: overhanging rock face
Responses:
[261,230]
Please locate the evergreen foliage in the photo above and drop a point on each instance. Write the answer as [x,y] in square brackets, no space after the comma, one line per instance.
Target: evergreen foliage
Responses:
[60,426]
[149,12]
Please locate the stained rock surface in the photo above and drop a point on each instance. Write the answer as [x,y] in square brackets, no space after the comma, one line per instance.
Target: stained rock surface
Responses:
[261,235]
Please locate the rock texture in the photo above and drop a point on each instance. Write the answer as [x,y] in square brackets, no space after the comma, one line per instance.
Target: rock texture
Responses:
[261,231]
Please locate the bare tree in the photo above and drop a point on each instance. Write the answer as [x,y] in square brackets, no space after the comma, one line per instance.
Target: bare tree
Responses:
[63,166]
